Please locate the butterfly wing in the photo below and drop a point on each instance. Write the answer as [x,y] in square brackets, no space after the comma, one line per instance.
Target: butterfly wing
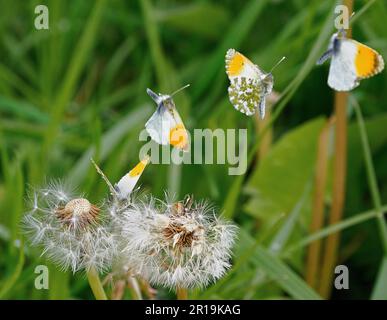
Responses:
[158,124]
[166,127]
[237,66]
[353,61]
[127,183]
[248,84]
[368,62]
[245,94]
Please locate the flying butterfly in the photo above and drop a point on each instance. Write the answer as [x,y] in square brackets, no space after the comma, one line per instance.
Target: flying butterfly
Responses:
[249,85]
[351,62]
[165,125]
[124,187]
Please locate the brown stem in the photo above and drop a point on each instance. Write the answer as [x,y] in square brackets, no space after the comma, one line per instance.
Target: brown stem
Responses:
[182,293]
[149,291]
[313,256]
[339,177]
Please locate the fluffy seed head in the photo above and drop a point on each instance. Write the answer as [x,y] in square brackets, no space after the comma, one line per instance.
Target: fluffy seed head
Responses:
[69,229]
[181,244]
[78,212]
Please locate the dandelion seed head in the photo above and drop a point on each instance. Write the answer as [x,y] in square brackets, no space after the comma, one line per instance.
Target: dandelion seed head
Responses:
[69,229]
[174,244]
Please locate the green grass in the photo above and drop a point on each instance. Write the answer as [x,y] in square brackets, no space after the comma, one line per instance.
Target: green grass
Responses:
[77,91]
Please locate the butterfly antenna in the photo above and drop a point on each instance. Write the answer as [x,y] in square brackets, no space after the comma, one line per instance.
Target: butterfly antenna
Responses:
[111,188]
[277,64]
[178,90]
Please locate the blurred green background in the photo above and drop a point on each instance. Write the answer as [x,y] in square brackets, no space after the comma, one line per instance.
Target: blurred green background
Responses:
[78,90]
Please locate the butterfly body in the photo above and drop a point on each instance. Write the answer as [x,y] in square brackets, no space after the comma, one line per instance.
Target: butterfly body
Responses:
[351,62]
[249,85]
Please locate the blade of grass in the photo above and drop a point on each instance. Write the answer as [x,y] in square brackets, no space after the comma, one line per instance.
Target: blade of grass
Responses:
[284,233]
[278,271]
[286,278]
[356,219]
[372,181]
[379,291]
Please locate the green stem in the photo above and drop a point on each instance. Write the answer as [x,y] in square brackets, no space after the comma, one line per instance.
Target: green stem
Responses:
[373,185]
[96,285]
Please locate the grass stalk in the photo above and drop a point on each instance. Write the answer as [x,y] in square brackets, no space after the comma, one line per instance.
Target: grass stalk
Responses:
[96,285]
[344,224]
[339,179]
[372,181]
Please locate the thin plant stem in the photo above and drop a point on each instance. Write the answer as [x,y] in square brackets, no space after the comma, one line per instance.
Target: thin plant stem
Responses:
[338,197]
[147,289]
[342,225]
[134,288]
[373,185]
[96,285]
[314,250]
[339,179]
[181,293]
[118,290]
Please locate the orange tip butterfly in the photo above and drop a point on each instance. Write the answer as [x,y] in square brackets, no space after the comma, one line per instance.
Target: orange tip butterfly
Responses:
[351,62]
[124,187]
[249,85]
[165,125]
[126,184]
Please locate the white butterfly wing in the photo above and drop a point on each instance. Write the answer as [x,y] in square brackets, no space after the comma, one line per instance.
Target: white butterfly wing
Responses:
[126,184]
[160,124]
[166,127]
[342,71]
[238,66]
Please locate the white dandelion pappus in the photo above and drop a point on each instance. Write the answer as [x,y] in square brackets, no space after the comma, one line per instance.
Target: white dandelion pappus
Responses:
[69,229]
[179,244]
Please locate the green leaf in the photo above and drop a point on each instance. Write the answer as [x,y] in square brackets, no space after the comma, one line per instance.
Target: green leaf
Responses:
[280,179]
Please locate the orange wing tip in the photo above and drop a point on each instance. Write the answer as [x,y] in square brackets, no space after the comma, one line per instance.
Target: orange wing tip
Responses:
[367,62]
[234,62]
[139,168]
[178,137]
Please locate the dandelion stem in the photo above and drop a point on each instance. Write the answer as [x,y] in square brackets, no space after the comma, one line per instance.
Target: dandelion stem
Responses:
[96,285]
[182,293]
[134,288]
